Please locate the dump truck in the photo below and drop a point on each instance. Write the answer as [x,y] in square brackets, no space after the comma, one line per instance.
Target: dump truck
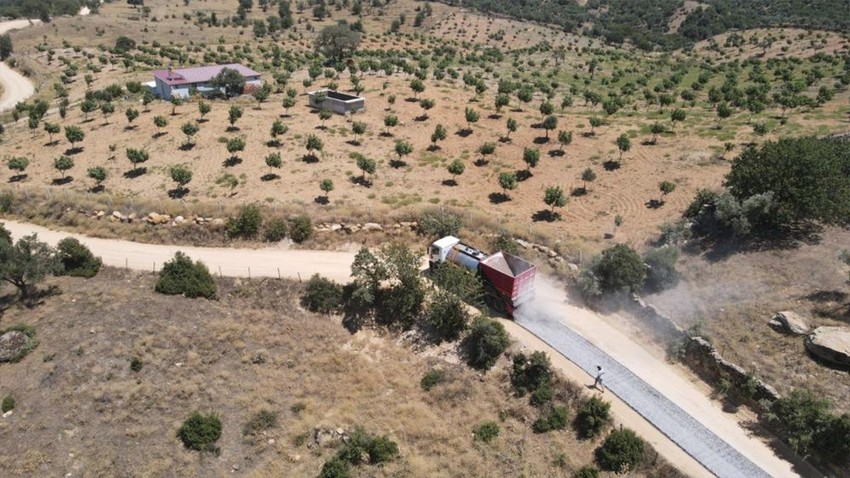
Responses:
[508,279]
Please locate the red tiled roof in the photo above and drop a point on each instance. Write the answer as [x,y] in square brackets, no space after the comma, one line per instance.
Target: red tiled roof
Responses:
[199,74]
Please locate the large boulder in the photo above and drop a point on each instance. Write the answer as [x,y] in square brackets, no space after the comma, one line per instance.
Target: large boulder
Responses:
[831,344]
[11,344]
[790,323]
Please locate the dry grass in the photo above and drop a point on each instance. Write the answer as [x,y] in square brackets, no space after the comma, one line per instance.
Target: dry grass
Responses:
[81,409]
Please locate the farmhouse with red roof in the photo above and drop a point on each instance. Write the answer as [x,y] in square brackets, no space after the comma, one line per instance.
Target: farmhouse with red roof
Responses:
[179,81]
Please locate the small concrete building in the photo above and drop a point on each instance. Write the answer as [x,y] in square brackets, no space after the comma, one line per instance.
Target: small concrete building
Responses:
[179,81]
[337,102]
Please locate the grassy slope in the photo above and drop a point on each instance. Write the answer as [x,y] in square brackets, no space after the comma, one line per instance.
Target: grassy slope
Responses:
[80,409]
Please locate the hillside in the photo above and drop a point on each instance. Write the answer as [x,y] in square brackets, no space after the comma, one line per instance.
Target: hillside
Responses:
[254,349]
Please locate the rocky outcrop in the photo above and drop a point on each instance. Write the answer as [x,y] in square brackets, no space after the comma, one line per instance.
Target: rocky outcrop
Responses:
[789,322]
[831,344]
[11,344]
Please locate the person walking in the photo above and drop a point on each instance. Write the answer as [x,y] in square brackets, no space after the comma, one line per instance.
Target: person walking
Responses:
[598,382]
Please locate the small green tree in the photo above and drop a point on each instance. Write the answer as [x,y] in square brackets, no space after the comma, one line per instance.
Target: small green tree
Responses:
[235,146]
[19,165]
[656,129]
[301,229]
[199,432]
[501,101]
[564,139]
[512,126]
[137,157]
[324,115]
[326,185]
[447,316]
[287,102]
[27,263]
[507,181]
[471,117]
[63,164]
[98,174]
[487,340]
[273,161]
[595,122]
[359,129]
[175,102]
[74,135]
[485,150]
[131,115]
[622,451]
[620,267]
[181,276]
[160,122]
[77,260]
[677,116]
[531,157]
[455,168]
[314,144]
[666,187]
[402,149]
[587,176]
[486,432]
[322,295]
[390,121]
[204,108]
[438,135]
[592,417]
[277,129]
[51,129]
[234,115]
[417,86]
[366,166]
[554,197]
[107,109]
[550,123]
[624,144]
[181,175]
[246,223]
[190,130]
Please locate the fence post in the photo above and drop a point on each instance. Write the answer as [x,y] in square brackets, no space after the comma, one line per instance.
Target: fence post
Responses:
[219,272]
[299,277]
[154,267]
[249,273]
[278,273]
[126,266]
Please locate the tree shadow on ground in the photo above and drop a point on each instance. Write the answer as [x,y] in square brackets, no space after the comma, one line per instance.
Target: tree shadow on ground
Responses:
[61,181]
[269,177]
[523,175]
[421,118]
[35,299]
[97,189]
[481,162]
[397,164]
[385,134]
[556,153]
[716,243]
[178,193]
[232,129]
[432,147]
[135,173]
[464,132]
[17,178]
[545,215]
[498,198]
[449,182]
[611,165]
[323,200]
[354,142]
[830,303]
[186,146]
[578,191]
[361,181]
[73,151]
[159,134]
[232,161]
[541,140]
[310,158]
[654,204]
[495,116]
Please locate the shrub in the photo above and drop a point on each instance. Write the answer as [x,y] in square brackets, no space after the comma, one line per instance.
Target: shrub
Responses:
[247,222]
[505,243]
[260,421]
[431,379]
[322,295]
[556,419]
[833,442]
[486,432]
[439,224]
[486,342]
[275,230]
[620,268]
[199,432]
[622,451]
[592,417]
[136,364]
[459,281]
[8,404]
[301,229]
[588,471]
[448,316]
[661,267]
[77,259]
[6,199]
[362,445]
[181,276]
[802,416]
[532,375]
[336,467]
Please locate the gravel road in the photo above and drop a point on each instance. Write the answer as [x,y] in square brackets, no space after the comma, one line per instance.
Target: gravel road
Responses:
[15,86]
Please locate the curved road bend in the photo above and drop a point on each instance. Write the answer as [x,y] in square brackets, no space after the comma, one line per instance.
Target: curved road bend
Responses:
[16,87]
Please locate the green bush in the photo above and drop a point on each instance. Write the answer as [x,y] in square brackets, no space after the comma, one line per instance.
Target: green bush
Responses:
[592,417]
[431,379]
[802,417]
[485,343]
[260,421]
[505,243]
[375,449]
[301,229]
[486,432]
[181,276]
[447,316]
[199,432]
[588,471]
[460,281]
[532,375]
[77,259]
[6,200]
[622,451]
[439,223]
[556,419]
[136,364]
[833,442]
[620,267]
[246,223]
[336,467]
[8,404]
[322,295]
[32,340]
[661,267]
[275,230]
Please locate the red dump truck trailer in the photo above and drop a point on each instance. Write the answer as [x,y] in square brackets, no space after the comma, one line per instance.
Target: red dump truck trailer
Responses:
[508,279]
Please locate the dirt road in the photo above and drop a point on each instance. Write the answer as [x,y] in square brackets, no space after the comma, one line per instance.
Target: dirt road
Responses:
[336,265]
[15,86]
[267,262]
